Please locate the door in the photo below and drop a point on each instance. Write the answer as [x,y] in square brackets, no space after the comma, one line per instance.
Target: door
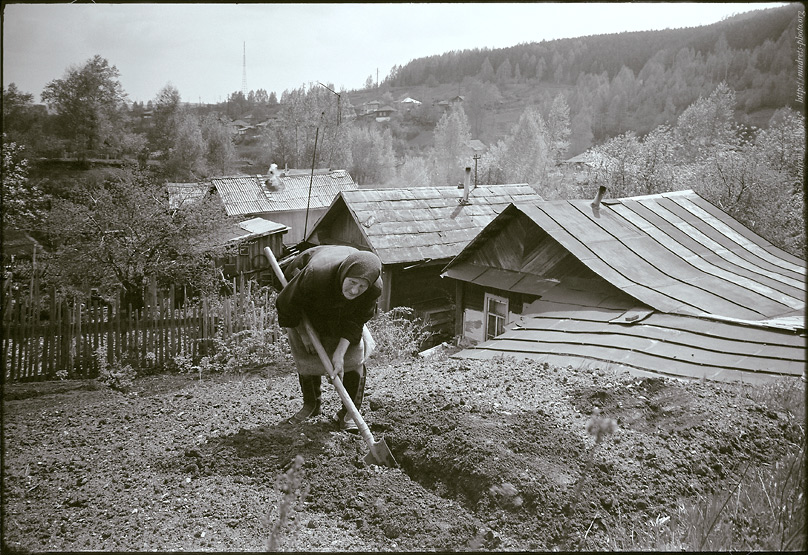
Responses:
[496,315]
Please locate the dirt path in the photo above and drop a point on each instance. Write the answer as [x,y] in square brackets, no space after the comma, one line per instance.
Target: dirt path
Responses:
[493,455]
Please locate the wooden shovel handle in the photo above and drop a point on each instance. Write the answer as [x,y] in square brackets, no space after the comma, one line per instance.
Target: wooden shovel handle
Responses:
[318,346]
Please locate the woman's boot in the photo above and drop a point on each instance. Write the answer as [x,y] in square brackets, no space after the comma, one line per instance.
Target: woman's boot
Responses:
[354,383]
[310,386]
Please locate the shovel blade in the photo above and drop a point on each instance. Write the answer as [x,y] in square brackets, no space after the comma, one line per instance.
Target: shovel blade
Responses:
[380,454]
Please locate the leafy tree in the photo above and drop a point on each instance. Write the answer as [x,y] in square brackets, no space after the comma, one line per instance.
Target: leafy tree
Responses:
[450,154]
[185,159]
[492,166]
[305,115]
[480,99]
[413,172]
[528,152]
[122,229]
[237,104]
[761,183]
[23,122]
[23,200]
[17,108]
[89,103]
[371,151]
[220,151]
[707,124]
[581,130]
[166,106]
[486,73]
[558,128]
[504,72]
[617,164]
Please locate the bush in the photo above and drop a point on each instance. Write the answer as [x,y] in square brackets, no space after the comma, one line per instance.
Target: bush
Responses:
[112,373]
[251,349]
[397,334]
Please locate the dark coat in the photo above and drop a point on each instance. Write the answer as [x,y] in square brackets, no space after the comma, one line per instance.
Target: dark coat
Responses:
[315,288]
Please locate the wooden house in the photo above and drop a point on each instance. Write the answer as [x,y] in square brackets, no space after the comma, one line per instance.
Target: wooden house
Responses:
[248,259]
[409,103]
[660,284]
[415,232]
[383,113]
[296,198]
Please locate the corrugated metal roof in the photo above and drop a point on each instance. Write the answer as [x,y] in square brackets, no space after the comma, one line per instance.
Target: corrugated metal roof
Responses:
[674,345]
[243,195]
[677,253]
[427,223]
[254,228]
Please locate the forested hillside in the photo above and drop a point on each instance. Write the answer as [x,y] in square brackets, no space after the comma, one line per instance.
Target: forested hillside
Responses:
[627,81]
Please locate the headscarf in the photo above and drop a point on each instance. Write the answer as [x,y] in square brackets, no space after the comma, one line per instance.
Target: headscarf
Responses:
[361,264]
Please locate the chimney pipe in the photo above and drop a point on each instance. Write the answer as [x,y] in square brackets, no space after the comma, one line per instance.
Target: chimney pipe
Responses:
[466,187]
[596,203]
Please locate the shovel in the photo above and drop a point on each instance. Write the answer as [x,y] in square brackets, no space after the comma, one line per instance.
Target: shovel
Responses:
[379,451]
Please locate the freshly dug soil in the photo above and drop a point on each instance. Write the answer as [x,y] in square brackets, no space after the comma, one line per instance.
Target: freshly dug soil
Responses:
[493,456]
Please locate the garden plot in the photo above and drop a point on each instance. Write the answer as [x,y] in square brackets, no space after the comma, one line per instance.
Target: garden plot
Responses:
[493,456]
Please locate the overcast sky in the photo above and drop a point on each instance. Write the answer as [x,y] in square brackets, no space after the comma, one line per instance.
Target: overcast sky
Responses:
[199,48]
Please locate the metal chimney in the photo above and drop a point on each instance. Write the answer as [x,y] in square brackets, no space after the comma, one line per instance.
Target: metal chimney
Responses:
[596,203]
[466,187]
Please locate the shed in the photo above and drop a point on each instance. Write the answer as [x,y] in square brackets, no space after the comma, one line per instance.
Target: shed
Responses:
[659,284]
[287,201]
[415,232]
[250,237]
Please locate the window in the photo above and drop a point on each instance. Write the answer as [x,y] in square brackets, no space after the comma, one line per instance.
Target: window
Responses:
[496,315]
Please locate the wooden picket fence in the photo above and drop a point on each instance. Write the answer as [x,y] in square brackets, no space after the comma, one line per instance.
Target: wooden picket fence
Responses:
[70,340]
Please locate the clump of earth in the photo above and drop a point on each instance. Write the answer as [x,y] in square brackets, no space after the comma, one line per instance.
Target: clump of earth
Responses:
[492,456]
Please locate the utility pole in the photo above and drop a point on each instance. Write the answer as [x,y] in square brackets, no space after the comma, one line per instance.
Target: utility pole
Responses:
[476,157]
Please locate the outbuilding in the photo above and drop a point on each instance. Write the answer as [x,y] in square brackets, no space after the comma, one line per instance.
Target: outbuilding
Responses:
[660,284]
[294,198]
[416,232]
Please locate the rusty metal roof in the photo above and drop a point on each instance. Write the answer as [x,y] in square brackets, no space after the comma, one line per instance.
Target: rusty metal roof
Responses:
[249,194]
[424,223]
[677,253]
[564,334]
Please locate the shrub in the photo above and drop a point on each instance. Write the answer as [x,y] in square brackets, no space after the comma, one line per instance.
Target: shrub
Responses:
[250,349]
[397,334]
[112,373]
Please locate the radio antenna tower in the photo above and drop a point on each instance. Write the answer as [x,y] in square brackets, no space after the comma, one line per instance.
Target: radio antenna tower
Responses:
[244,72]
